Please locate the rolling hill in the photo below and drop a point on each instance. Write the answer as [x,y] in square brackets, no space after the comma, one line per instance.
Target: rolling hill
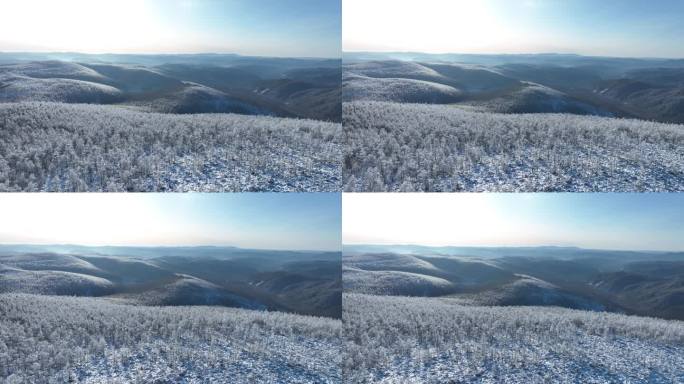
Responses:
[646,100]
[647,89]
[635,283]
[54,69]
[644,293]
[95,314]
[308,283]
[493,89]
[183,290]
[398,143]
[384,261]
[17,280]
[179,84]
[530,291]
[393,283]
[394,69]
[536,98]
[93,123]
[356,87]
[195,98]
[20,88]
[36,261]
[511,314]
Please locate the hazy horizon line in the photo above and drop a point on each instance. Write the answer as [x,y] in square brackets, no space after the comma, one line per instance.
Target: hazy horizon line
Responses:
[511,246]
[3,244]
[171,54]
[520,54]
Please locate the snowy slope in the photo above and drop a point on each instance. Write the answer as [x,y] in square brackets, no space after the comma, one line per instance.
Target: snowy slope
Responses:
[189,290]
[528,290]
[90,340]
[49,261]
[197,98]
[52,282]
[387,261]
[430,340]
[393,283]
[356,87]
[536,98]
[394,69]
[20,88]
[108,148]
[53,69]
[410,147]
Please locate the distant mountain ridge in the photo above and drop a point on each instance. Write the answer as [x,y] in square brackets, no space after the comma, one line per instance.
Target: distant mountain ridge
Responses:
[182,84]
[151,250]
[648,89]
[491,250]
[646,283]
[305,282]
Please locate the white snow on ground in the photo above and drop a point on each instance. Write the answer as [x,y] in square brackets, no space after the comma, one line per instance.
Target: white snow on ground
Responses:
[50,282]
[19,88]
[393,69]
[288,361]
[281,169]
[52,69]
[411,147]
[436,340]
[392,283]
[53,261]
[74,147]
[48,339]
[386,261]
[601,365]
[356,87]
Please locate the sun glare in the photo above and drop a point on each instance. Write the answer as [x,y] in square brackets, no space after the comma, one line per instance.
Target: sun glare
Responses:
[434,26]
[83,25]
[88,219]
[429,219]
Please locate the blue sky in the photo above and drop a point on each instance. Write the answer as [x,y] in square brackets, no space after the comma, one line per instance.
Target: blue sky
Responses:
[296,221]
[290,28]
[632,28]
[601,221]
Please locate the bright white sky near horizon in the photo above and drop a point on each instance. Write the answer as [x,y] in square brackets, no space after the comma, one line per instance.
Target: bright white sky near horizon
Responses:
[286,221]
[650,221]
[287,28]
[622,28]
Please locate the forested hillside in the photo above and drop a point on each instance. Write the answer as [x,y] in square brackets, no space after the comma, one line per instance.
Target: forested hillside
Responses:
[49,339]
[186,84]
[67,147]
[641,283]
[411,147]
[432,340]
[307,283]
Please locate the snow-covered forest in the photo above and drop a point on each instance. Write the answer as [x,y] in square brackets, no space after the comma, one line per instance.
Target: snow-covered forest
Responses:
[436,340]
[412,147]
[66,147]
[393,283]
[50,339]
[169,123]
[358,87]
